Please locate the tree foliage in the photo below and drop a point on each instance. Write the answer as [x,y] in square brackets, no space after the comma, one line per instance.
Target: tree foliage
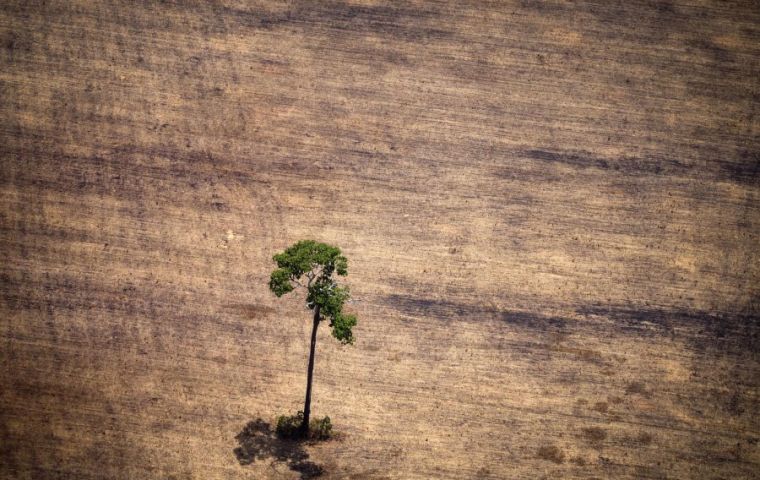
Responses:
[311,265]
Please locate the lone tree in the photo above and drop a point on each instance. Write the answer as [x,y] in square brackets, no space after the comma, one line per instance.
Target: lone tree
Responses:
[310,265]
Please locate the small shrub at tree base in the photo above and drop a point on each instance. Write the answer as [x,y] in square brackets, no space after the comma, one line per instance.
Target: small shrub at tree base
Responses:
[551,453]
[320,429]
[289,428]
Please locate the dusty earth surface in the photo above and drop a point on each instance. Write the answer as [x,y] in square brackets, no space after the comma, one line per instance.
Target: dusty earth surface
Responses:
[551,212]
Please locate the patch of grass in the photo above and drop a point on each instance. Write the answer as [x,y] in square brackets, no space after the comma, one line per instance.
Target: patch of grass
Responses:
[482,473]
[643,438]
[594,434]
[637,388]
[551,453]
[585,354]
[650,471]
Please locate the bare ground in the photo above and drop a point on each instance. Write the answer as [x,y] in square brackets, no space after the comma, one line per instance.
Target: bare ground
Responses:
[551,211]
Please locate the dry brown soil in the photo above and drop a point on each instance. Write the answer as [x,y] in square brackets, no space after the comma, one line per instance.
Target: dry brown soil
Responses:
[551,211]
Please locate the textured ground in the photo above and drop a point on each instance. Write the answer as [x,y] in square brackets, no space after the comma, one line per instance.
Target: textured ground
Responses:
[551,210]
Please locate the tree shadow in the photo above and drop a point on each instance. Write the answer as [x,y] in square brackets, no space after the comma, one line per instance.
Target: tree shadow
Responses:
[259,442]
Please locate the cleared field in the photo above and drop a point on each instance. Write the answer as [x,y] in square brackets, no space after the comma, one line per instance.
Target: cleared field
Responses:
[551,212]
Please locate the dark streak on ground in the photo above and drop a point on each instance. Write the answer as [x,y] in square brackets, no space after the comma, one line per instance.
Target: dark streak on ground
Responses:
[727,332]
[449,311]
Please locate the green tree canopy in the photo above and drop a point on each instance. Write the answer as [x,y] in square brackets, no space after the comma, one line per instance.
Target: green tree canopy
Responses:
[310,265]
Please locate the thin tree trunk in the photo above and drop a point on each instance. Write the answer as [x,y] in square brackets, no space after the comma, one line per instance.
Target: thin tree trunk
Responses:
[307,403]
